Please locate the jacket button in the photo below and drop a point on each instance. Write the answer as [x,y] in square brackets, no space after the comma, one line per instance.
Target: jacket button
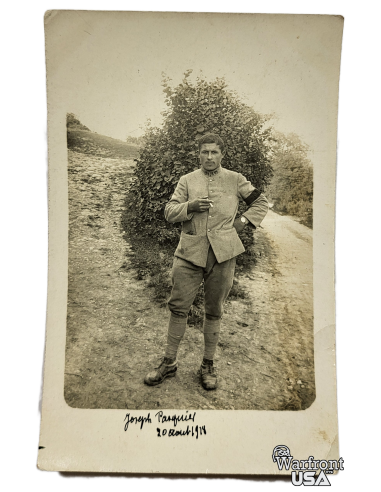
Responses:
[208,230]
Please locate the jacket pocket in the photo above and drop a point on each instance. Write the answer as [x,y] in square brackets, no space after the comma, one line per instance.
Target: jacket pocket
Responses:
[226,244]
[192,248]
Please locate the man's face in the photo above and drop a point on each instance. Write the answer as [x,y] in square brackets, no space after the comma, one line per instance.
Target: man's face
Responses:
[210,156]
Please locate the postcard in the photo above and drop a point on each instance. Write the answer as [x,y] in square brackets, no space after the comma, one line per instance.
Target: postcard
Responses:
[191,303]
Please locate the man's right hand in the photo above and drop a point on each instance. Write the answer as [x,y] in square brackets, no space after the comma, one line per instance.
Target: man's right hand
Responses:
[200,205]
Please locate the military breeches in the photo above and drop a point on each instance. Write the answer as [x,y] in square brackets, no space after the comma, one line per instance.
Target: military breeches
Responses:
[187,277]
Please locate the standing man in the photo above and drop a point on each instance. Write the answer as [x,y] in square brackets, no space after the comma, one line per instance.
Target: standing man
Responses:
[206,202]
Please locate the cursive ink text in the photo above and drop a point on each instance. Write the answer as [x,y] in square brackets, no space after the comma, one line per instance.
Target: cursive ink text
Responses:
[136,420]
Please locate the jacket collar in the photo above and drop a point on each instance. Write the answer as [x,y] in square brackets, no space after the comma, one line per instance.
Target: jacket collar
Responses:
[212,173]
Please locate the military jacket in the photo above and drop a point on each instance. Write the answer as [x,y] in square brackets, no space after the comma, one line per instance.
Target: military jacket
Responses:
[214,227]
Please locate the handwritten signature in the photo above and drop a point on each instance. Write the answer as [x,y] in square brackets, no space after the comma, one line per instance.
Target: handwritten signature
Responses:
[162,418]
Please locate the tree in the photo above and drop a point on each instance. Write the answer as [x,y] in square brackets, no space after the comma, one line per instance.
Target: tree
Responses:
[194,109]
[291,188]
[73,123]
[135,140]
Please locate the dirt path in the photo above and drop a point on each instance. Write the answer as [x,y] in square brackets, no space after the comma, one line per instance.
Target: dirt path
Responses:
[115,332]
[280,289]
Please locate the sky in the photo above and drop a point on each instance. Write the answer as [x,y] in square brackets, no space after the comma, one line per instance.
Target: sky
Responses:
[111,67]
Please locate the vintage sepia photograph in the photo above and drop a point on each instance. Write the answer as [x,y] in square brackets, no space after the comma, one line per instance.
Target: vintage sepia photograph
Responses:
[191,241]
[190,164]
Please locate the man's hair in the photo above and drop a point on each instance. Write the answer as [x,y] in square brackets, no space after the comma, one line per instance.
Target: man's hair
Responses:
[211,138]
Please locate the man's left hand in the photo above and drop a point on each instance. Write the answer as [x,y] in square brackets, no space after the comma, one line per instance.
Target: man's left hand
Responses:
[238,225]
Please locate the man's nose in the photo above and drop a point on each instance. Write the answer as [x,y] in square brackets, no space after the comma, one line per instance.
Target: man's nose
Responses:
[209,155]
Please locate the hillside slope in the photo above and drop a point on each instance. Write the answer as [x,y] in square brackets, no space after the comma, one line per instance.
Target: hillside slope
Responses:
[88,142]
